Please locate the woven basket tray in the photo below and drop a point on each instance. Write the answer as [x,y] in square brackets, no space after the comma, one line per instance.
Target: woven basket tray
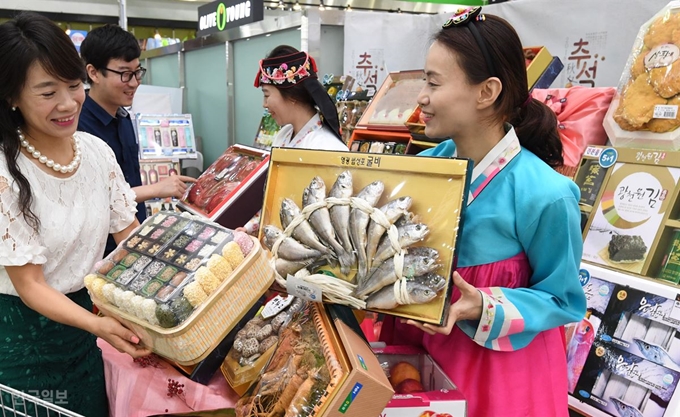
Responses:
[198,335]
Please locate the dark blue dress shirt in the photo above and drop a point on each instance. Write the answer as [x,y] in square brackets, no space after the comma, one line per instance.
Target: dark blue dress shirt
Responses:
[119,134]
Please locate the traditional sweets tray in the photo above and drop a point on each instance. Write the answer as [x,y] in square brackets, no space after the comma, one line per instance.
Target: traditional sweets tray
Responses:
[230,190]
[170,282]
[381,229]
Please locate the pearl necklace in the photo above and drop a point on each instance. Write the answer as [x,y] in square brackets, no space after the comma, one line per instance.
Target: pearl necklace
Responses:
[49,162]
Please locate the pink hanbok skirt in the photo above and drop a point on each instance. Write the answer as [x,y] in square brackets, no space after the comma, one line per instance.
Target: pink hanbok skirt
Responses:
[530,382]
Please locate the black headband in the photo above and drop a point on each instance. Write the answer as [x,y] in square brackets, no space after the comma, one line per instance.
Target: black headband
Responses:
[467,18]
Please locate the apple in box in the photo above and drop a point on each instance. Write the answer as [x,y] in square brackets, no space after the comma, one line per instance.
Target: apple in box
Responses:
[421,387]
[405,378]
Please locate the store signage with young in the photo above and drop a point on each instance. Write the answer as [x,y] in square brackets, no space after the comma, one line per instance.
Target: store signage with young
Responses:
[222,15]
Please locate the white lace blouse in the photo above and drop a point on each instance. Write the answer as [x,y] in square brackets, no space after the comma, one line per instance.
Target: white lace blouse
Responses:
[76,215]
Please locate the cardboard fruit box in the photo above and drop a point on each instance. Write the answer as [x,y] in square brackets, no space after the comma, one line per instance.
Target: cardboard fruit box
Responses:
[440,397]
[438,188]
[229,192]
[366,389]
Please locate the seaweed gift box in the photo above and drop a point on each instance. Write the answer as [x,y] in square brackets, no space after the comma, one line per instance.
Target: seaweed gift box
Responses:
[630,198]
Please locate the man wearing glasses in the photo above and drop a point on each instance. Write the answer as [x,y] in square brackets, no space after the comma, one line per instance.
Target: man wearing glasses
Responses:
[111,56]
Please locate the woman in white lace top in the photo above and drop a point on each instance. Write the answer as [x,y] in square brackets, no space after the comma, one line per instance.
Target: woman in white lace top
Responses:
[61,194]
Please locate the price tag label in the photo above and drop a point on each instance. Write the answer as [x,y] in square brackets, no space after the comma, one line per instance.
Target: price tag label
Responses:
[675,311]
[662,111]
[303,289]
[276,305]
[662,56]
[592,151]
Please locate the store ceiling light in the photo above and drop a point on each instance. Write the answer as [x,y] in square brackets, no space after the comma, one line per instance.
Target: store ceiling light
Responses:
[281,5]
[321,7]
[297,6]
[68,30]
[348,8]
[157,35]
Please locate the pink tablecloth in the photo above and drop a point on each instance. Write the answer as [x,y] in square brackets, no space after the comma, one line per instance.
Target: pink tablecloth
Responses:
[134,391]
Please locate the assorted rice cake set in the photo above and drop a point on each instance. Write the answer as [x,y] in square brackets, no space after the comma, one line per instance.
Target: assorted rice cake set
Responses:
[168,267]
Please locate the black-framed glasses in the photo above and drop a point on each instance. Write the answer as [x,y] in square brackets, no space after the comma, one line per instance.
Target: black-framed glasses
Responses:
[126,76]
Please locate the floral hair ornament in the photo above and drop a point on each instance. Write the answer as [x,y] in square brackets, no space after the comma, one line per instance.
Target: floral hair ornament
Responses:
[286,71]
[467,17]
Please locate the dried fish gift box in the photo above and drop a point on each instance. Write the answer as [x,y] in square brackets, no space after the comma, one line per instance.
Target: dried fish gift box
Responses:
[384,227]
[181,283]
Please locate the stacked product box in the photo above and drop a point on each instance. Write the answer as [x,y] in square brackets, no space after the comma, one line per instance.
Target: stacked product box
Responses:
[624,358]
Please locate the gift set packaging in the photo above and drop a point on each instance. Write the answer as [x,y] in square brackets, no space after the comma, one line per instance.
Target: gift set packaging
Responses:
[349,113]
[620,383]
[644,112]
[630,198]
[319,367]
[396,220]
[155,170]
[580,336]
[394,102]
[266,132]
[538,59]
[230,191]
[549,75]
[624,357]
[203,371]
[181,284]
[163,136]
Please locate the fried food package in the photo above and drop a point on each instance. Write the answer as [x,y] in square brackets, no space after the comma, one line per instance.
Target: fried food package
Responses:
[644,113]
[302,373]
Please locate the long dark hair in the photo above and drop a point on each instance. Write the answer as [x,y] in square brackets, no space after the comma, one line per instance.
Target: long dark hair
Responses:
[25,40]
[534,123]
